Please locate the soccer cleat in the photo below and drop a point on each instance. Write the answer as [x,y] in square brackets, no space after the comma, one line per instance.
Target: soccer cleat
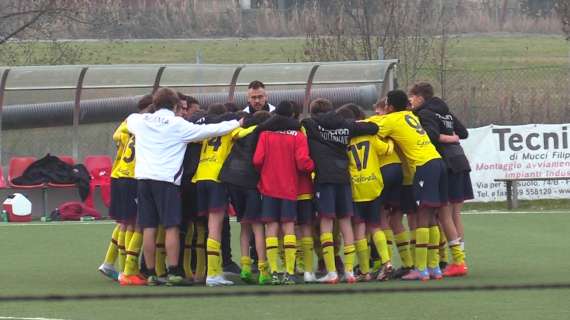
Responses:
[330,278]
[108,270]
[400,272]
[416,274]
[264,278]
[455,270]
[275,279]
[218,281]
[232,269]
[309,277]
[385,272]
[364,277]
[174,280]
[435,273]
[349,277]
[289,279]
[152,281]
[246,276]
[132,280]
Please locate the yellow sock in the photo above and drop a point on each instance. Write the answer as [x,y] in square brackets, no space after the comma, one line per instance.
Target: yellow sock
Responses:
[281,255]
[245,263]
[122,251]
[299,261]
[187,257]
[457,254]
[128,237]
[160,253]
[133,251]
[349,253]
[200,251]
[389,241]
[213,248]
[422,242]
[363,255]
[327,247]
[112,250]
[443,255]
[433,247]
[308,256]
[272,248]
[413,246]
[403,244]
[290,248]
[263,267]
[379,239]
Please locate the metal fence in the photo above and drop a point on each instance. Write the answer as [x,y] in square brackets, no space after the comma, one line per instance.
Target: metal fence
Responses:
[505,96]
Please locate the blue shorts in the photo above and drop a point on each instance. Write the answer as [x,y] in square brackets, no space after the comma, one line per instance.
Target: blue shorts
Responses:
[278,210]
[368,212]
[212,197]
[305,212]
[408,203]
[460,188]
[189,193]
[430,184]
[158,203]
[334,201]
[392,176]
[246,202]
[123,207]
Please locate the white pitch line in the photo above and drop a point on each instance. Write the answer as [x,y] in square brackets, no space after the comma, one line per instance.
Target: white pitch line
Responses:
[475,212]
[20,318]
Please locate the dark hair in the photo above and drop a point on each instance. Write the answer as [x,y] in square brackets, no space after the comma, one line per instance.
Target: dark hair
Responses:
[191,100]
[261,116]
[346,112]
[397,99]
[256,84]
[231,107]
[165,98]
[422,89]
[286,108]
[297,110]
[216,109]
[356,110]
[320,105]
[144,102]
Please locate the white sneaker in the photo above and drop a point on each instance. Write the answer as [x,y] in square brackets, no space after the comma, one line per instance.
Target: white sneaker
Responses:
[349,277]
[217,281]
[310,277]
[331,278]
[109,271]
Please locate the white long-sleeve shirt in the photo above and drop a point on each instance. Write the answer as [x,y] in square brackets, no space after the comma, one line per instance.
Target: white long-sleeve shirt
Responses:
[160,142]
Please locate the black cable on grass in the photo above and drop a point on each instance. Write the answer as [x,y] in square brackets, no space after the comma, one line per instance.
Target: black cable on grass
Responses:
[296,292]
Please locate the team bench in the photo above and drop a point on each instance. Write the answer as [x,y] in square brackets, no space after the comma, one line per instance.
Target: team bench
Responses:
[512,188]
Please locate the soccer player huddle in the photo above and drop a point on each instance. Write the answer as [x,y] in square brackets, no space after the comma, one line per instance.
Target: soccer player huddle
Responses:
[301,189]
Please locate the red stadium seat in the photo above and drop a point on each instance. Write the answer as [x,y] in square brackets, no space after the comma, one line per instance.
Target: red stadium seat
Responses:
[99,167]
[2,181]
[69,160]
[17,167]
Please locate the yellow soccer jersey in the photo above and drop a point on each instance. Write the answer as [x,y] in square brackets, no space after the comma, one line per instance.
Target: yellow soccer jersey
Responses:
[405,129]
[364,154]
[124,165]
[389,158]
[214,153]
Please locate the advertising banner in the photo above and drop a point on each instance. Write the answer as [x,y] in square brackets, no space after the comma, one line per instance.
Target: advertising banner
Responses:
[510,152]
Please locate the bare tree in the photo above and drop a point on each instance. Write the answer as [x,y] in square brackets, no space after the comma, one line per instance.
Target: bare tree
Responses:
[563,10]
[353,30]
[24,21]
